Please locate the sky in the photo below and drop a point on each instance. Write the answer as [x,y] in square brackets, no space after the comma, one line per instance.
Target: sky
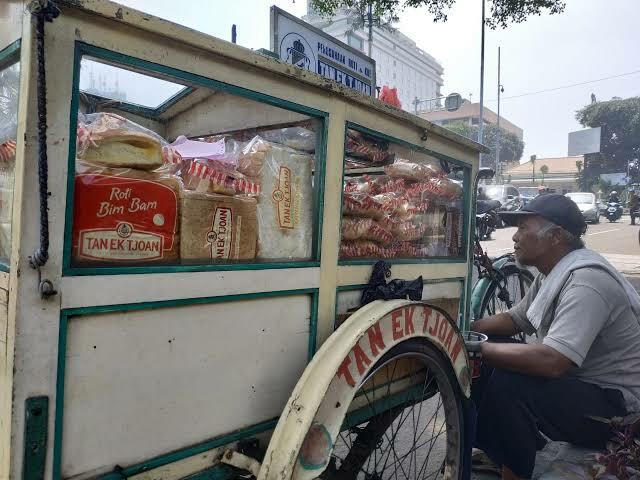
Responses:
[591,40]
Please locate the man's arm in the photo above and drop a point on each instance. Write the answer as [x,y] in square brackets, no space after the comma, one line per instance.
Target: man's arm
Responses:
[530,359]
[500,324]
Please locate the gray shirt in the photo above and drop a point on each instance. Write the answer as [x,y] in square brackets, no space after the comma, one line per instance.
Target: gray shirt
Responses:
[594,326]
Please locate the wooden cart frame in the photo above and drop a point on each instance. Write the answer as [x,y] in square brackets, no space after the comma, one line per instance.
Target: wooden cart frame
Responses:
[35,342]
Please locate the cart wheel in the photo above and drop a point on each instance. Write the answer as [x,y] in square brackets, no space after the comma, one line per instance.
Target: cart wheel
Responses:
[405,421]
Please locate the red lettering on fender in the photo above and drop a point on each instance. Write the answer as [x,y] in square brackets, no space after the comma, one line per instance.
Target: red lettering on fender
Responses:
[455,351]
[344,372]
[362,360]
[408,321]
[395,324]
[376,340]
[447,342]
[433,329]
[442,329]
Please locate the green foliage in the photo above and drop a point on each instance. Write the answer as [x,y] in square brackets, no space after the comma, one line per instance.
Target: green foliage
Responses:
[502,12]
[620,122]
[544,169]
[511,147]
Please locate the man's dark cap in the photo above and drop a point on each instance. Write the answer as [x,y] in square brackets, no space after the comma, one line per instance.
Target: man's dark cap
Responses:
[554,207]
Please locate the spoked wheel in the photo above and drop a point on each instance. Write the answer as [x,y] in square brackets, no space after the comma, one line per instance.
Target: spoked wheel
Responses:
[405,422]
[501,296]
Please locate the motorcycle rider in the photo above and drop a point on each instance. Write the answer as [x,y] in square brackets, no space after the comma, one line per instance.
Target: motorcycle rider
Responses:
[613,197]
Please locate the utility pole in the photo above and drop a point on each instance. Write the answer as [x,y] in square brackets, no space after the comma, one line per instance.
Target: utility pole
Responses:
[500,89]
[370,18]
[481,123]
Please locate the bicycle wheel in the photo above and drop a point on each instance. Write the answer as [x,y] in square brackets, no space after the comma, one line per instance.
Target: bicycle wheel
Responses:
[501,296]
[405,421]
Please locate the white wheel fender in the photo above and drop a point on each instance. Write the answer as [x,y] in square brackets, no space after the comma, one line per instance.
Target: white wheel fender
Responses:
[312,417]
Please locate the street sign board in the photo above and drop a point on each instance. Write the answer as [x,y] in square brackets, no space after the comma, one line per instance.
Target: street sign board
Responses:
[583,142]
[308,47]
[615,178]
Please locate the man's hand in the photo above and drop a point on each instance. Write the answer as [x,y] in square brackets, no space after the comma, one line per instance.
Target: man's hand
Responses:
[531,359]
[501,324]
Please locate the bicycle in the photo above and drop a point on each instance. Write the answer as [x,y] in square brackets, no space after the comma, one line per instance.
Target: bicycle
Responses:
[501,283]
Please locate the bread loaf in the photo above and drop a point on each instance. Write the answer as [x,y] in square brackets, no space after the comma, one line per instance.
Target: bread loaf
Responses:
[217,227]
[125,216]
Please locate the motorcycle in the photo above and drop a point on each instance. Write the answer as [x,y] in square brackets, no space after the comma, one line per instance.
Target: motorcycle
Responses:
[613,211]
[487,219]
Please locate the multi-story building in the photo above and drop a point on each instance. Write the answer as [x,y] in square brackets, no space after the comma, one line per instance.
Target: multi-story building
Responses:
[470,113]
[399,61]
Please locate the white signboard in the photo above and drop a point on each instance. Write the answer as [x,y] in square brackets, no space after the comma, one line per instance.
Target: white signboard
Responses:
[303,45]
[583,142]
[615,178]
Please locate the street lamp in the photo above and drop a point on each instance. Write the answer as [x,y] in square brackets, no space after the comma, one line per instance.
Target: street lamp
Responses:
[500,90]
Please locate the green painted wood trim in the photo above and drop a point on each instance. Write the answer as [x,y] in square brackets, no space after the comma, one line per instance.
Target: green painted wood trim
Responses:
[36,432]
[82,49]
[403,261]
[4,268]
[71,161]
[173,100]
[219,472]
[189,452]
[91,271]
[66,314]
[10,54]
[105,54]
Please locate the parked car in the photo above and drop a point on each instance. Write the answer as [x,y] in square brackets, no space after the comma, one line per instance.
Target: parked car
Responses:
[586,201]
[527,194]
[507,195]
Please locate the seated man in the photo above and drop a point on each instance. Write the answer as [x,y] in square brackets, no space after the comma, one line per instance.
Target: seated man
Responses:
[586,360]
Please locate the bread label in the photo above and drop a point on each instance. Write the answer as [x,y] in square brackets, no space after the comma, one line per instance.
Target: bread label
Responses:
[120,218]
[282,196]
[221,236]
[122,244]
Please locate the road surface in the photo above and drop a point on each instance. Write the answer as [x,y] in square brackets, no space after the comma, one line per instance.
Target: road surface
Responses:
[618,242]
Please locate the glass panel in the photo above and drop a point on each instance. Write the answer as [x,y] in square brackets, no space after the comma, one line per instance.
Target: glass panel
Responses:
[215,179]
[123,85]
[397,203]
[9,89]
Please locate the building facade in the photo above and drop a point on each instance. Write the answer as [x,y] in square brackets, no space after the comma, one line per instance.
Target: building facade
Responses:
[399,61]
[561,176]
[470,113]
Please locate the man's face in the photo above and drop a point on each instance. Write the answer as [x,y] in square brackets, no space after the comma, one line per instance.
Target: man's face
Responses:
[529,246]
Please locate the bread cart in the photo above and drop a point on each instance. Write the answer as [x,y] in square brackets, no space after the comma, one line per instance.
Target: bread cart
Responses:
[186,231]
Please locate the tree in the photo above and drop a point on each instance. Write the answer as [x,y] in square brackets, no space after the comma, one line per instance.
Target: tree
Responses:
[503,12]
[543,170]
[511,147]
[620,141]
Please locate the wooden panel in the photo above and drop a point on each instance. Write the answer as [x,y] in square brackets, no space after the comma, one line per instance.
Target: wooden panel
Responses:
[144,383]
[89,291]
[359,274]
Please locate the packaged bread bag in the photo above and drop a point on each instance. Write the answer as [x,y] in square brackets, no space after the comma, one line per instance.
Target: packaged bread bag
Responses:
[285,201]
[217,227]
[126,204]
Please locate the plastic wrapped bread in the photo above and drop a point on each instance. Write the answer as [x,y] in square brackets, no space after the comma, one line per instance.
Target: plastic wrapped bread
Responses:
[285,202]
[113,141]
[125,216]
[217,227]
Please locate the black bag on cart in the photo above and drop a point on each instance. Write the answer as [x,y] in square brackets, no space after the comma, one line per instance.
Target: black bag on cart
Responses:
[379,289]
